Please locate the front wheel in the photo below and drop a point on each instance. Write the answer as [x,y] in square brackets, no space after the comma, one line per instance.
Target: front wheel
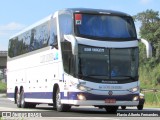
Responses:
[59,106]
[111,109]
[140,107]
[123,107]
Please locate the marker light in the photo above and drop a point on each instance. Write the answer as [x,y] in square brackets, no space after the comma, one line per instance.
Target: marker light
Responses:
[83,88]
[135,89]
[141,96]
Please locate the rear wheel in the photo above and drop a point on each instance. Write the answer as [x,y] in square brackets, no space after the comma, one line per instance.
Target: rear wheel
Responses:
[111,109]
[23,103]
[59,106]
[18,99]
[32,105]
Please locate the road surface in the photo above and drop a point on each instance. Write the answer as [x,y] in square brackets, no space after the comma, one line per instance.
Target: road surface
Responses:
[46,112]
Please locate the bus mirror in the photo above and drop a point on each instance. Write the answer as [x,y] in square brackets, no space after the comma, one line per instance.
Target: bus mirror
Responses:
[148,47]
[74,43]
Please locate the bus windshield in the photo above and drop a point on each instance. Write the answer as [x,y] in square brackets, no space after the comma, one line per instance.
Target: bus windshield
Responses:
[103,65]
[106,27]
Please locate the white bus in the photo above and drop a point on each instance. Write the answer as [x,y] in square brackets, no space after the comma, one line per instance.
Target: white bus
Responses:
[76,57]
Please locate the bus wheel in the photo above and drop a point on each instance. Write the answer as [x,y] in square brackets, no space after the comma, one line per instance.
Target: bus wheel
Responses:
[31,105]
[23,103]
[59,106]
[18,99]
[123,107]
[111,109]
[140,107]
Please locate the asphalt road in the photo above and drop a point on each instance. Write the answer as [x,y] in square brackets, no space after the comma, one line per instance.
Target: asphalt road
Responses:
[44,111]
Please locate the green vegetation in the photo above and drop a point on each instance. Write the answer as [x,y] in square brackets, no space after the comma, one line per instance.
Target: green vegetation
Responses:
[152,97]
[149,69]
[149,77]
[3,87]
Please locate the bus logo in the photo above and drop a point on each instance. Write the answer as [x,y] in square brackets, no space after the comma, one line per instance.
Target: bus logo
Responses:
[110,93]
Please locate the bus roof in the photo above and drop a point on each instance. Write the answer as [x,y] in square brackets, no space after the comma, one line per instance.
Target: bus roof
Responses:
[96,11]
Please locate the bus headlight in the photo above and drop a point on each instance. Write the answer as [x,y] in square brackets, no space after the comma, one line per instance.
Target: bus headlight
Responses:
[135,89]
[81,97]
[83,88]
[135,98]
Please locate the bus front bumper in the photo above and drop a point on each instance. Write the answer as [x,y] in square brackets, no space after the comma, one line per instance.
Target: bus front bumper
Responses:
[99,103]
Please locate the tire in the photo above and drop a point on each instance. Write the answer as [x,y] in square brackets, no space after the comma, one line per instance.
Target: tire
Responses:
[61,107]
[18,99]
[123,107]
[23,103]
[31,105]
[140,107]
[15,97]
[111,109]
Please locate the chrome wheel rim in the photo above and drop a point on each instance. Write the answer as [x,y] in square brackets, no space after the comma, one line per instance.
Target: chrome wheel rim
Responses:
[58,99]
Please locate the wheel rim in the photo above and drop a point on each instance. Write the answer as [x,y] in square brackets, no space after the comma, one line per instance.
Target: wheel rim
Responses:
[18,98]
[22,98]
[58,99]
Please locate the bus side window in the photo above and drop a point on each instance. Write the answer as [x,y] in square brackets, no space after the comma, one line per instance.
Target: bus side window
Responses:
[68,58]
[53,33]
[65,25]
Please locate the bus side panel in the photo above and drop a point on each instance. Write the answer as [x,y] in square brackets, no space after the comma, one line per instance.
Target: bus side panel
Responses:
[36,73]
[41,80]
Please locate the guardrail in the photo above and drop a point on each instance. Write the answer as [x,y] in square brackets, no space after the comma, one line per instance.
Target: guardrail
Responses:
[150,90]
[3,53]
[152,95]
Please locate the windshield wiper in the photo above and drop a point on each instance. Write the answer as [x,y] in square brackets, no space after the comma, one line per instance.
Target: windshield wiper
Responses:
[130,77]
[93,76]
[81,76]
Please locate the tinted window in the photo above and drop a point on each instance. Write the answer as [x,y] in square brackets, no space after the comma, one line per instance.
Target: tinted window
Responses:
[53,33]
[104,26]
[65,24]
[105,65]
[66,54]
[36,38]
[68,58]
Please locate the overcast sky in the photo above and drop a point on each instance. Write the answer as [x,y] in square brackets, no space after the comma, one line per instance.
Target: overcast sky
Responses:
[15,15]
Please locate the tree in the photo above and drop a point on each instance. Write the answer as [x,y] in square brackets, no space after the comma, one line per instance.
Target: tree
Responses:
[150,30]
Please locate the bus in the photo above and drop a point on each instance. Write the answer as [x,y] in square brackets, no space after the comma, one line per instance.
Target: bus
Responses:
[76,57]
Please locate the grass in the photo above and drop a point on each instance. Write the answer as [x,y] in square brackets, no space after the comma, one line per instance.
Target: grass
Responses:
[150,79]
[152,99]
[3,87]
[148,105]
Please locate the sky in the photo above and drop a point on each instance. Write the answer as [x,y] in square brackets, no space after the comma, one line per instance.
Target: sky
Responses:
[15,15]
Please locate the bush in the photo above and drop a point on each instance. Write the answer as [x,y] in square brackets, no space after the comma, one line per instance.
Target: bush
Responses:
[3,87]
[152,98]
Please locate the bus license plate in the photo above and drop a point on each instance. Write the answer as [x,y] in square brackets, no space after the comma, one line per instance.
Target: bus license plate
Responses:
[110,100]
